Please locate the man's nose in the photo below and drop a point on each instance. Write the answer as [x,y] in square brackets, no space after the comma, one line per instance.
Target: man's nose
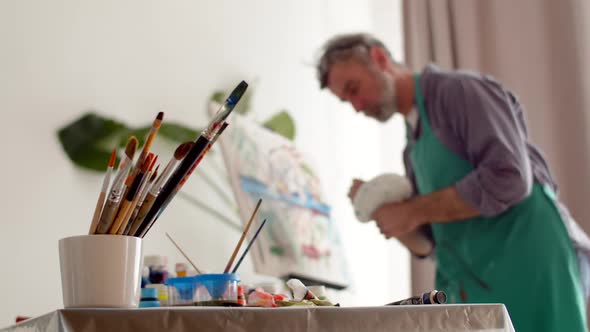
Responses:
[357,104]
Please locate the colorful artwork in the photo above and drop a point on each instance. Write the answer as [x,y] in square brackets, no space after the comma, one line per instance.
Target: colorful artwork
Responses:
[299,237]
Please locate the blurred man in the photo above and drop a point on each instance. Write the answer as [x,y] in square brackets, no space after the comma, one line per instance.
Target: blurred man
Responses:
[482,189]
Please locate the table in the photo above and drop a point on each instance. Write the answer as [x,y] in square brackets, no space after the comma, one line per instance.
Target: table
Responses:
[423,318]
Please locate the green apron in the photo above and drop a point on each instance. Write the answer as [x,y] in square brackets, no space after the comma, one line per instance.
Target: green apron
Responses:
[522,258]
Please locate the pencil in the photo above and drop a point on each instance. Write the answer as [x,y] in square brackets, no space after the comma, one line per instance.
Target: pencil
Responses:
[248,247]
[103,193]
[233,256]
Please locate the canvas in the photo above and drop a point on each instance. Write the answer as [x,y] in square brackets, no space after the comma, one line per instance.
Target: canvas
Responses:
[299,238]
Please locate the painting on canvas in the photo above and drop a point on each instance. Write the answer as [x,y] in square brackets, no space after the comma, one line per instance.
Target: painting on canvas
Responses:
[299,238]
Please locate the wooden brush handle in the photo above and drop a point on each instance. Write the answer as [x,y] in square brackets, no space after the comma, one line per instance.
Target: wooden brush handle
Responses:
[97,212]
[233,256]
[120,217]
[106,219]
[143,211]
[127,218]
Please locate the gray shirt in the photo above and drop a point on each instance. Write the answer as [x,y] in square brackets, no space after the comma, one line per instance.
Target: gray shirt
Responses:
[478,119]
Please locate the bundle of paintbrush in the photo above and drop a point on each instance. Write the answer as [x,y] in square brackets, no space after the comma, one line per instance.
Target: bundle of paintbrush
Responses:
[128,186]
[186,167]
[137,195]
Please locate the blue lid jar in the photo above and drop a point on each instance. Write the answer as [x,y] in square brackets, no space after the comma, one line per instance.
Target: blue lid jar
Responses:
[149,298]
[219,289]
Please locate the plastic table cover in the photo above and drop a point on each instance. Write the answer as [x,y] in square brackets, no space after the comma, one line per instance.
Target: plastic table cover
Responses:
[423,318]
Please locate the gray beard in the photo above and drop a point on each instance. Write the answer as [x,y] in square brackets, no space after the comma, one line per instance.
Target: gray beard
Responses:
[388,105]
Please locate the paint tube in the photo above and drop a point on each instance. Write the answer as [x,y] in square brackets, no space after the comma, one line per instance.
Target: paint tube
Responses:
[433,297]
[300,292]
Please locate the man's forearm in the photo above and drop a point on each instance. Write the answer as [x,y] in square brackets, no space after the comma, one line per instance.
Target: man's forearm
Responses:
[417,242]
[442,206]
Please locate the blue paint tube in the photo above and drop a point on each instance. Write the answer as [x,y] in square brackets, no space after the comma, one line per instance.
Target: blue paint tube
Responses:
[433,297]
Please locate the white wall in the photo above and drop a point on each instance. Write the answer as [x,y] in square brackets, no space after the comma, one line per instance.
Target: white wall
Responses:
[130,59]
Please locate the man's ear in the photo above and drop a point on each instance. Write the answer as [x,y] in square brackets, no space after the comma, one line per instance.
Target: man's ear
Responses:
[379,57]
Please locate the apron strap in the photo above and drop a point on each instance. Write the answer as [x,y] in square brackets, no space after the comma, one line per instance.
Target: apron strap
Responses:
[421,106]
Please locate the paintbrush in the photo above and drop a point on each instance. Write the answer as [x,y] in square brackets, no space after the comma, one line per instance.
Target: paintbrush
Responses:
[128,200]
[150,138]
[141,198]
[233,256]
[248,247]
[112,206]
[103,193]
[153,163]
[127,220]
[180,152]
[183,181]
[155,188]
[146,146]
[118,187]
[130,149]
[183,254]
[141,178]
[167,192]
[219,132]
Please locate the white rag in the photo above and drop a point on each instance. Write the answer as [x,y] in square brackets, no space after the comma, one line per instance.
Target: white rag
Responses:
[384,188]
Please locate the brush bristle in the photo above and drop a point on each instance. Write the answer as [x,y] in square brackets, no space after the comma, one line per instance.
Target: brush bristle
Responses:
[158,121]
[147,162]
[237,93]
[220,131]
[113,157]
[183,150]
[155,174]
[131,147]
[129,179]
[153,163]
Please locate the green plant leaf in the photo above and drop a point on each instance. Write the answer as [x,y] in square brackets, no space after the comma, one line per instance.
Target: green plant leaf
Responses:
[283,124]
[243,106]
[178,133]
[89,140]
[306,168]
[139,133]
[218,96]
[85,140]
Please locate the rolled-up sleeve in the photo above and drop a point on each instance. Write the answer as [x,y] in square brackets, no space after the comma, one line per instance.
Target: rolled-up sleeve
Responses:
[483,117]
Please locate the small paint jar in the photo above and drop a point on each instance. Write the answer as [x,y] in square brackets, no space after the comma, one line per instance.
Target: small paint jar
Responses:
[180,269]
[149,298]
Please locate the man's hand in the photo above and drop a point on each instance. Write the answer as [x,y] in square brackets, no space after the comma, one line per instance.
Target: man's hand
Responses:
[396,219]
[442,206]
[354,187]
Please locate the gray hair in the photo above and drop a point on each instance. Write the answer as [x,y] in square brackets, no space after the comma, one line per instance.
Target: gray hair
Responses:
[344,47]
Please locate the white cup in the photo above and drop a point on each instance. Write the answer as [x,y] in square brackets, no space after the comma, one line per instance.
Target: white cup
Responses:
[99,271]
